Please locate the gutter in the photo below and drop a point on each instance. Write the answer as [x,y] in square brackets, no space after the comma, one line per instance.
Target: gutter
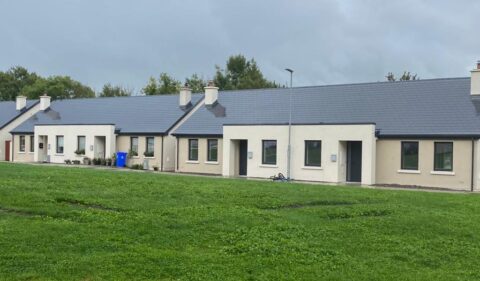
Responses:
[198,135]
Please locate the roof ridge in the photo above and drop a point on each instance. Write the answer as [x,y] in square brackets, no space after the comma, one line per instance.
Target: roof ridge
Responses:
[345,84]
[123,97]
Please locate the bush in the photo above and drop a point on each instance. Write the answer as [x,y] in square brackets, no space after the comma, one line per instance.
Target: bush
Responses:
[80,152]
[148,154]
[132,153]
[68,162]
[136,167]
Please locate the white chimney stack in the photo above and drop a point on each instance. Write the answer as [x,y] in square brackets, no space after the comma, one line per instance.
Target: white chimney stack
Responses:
[475,80]
[21,102]
[211,93]
[185,96]
[44,102]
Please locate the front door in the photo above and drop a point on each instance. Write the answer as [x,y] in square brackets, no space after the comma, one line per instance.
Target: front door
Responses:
[354,161]
[243,158]
[7,150]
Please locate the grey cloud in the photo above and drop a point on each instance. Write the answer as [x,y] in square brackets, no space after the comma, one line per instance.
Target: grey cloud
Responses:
[125,42]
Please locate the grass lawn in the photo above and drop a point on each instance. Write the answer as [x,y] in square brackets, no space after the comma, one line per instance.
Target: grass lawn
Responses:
[82,224]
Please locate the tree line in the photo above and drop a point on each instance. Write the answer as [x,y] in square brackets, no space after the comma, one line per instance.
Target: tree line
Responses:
[238,73]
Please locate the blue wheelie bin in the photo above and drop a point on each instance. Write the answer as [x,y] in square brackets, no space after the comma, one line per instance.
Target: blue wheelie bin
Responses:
[121,159]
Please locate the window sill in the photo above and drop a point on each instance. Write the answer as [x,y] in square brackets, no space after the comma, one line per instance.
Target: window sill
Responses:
[21,152]
[135,157]
[442,173]
[268,166]
[312,168]
[153,157]
[59,154]
[31,152]
[211,162]
[408,172]
[192,162]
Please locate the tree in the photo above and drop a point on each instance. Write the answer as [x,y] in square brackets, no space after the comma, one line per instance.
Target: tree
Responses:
[406,76]
[14,80]
[241,74]
[58,87]
[114,91]
[165,85]
[196,83]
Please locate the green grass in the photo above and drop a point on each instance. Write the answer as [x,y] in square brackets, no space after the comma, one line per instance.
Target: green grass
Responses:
[82,224]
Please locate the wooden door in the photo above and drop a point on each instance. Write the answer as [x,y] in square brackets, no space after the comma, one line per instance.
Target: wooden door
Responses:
[7,150]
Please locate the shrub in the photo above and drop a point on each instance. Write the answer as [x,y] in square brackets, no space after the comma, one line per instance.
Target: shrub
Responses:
[132,153]
[80,151]
[148,154]
[136,167]
[68,162]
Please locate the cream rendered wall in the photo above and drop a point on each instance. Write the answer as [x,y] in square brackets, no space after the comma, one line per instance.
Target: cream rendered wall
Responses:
[202,166]
[70,133]
[26,156]
[5,132]
[389,165]
[123,145]
[332,137]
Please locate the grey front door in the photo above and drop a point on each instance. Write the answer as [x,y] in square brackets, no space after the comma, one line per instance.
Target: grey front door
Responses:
[243,158]
[354,161]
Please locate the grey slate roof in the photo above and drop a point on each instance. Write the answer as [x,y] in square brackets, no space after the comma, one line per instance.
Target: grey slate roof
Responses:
[415,108]
[130,115]
[8,111]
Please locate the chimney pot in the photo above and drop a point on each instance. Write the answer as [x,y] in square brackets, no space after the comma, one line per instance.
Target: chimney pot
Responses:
[44,102]
[21,102]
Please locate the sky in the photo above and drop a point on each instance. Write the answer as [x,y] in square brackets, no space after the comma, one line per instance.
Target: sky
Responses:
[324,41]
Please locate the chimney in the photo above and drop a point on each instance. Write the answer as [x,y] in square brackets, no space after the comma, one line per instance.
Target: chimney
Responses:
[475,80]
[21,102]
[44,102]
[185,96]
[211,93]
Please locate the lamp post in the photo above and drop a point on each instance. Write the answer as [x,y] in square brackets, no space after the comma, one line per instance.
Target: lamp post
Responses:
[289,149]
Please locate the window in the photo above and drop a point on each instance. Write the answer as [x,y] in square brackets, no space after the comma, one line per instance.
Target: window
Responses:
[32,143]
[80,145]
[212,148]
[269,154]
[409,155]
[443,157]
[134,146]
[313,153]
[59,144]
[22,143]
[150,147]
[193,149]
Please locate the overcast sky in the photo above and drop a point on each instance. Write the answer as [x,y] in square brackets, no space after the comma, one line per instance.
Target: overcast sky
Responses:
[126,42]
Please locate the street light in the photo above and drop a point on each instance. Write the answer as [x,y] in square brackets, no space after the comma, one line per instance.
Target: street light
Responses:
[289,151]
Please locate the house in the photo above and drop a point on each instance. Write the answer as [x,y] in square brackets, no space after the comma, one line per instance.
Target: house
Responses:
[12,114]
[415,133]
[77,129]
